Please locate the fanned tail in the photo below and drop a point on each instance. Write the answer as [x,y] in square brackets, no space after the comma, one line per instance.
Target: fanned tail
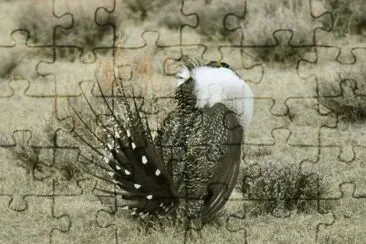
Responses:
[130,157]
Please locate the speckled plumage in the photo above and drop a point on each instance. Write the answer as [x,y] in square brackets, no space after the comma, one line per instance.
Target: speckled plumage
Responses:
[195,143]
[191,167]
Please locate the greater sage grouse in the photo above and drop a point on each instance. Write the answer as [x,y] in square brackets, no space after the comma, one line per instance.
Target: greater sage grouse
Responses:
[190,169]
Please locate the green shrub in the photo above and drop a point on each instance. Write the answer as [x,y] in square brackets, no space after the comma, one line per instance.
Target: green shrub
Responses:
[280,190]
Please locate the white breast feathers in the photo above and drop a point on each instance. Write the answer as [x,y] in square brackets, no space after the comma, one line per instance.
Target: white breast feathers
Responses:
[222,85]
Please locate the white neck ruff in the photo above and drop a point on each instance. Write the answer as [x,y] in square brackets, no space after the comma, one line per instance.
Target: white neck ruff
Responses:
[221,85]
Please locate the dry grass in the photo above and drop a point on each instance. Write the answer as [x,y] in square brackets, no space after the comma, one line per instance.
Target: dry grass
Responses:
[258,224]
[349,16]
[83,33]
[144,9]
[31,157]
[343,93]
[257,26]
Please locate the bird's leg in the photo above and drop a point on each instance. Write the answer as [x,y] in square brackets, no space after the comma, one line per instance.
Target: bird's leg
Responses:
[196,175]
[193,228]
[193,215]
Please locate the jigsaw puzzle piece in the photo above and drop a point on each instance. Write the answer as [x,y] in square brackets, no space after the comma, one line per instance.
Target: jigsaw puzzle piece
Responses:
[280,151]
[258,67]
[212,20]
[225,233]
[284,230]
[307,120]
[254,210]
[128,230]
[14,110]
[36,222]
[346,136]
[248,68]
[269,17]
[285,84]
[112,220]
[78,119]
[24,167]
[194,51]
[92,95]
[359,165]
[52,163]
[5,90]
[348,106]
[82,209]
[156,110]
[146,72]
[70,175]
[132,18]
[333,172]
[299,226]
[107,225]
[333,70]
[86,33]
[236,223]
[66,84]
[260,131]
[349,213]
[37,161]
[39,20]
[348,27]
[122,228]
[19,60]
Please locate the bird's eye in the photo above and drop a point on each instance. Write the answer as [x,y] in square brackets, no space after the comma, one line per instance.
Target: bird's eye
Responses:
[217,64]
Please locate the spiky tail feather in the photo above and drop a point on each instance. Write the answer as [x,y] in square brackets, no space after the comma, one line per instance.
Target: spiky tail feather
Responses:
[130,157]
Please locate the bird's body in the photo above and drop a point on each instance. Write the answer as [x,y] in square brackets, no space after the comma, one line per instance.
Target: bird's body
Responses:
[191,167]
[201,148]
[202,159]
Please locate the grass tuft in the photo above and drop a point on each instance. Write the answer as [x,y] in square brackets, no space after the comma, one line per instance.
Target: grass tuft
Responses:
[36,159]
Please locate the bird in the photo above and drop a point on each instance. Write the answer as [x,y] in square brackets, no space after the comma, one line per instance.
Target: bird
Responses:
[190,168]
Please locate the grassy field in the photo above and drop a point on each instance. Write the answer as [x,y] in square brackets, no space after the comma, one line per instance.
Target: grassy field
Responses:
[302,176]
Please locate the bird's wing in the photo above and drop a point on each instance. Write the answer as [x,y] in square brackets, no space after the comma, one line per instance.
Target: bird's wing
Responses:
[227,173]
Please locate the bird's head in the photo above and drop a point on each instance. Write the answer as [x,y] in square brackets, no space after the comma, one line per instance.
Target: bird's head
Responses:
[203,85]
